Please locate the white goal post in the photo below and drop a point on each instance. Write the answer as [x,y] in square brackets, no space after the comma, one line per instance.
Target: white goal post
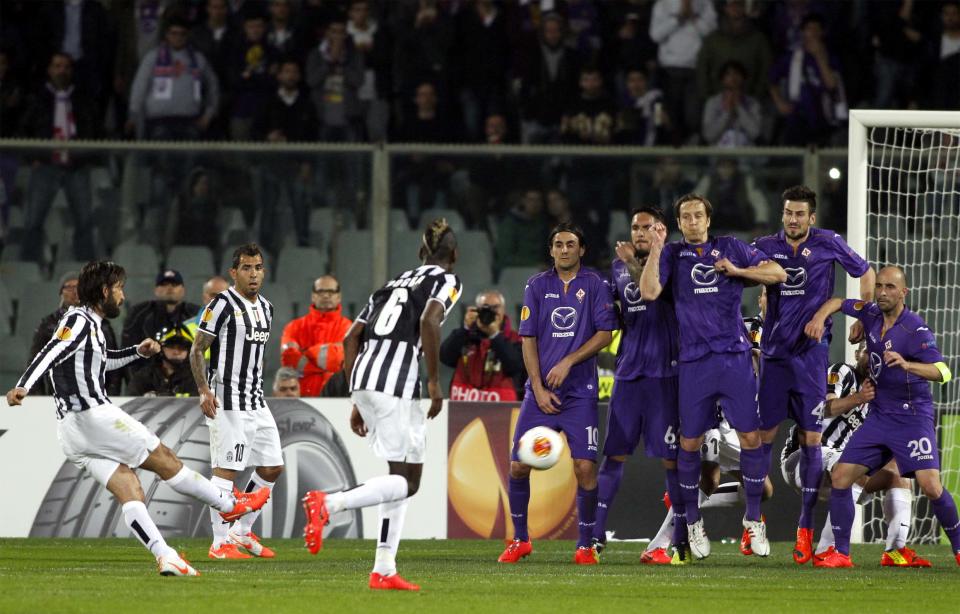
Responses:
[903,208]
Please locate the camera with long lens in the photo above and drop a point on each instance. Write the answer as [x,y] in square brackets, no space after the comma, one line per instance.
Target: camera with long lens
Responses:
[486,314]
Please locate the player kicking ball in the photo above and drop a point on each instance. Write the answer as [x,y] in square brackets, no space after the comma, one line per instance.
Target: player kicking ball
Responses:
[101,438]
[903,359]
[382,353]
[567,317]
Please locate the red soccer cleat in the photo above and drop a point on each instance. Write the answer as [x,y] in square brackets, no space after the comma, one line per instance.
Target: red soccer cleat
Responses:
[391,583]
[586,556]
[745,547]
[803,548]
[252,544]
[834,560]
[956,555]
[515,551]
[823,555]
[246,502]
[657,556]
[902,557]
[315,508]
[666,500]
[227,551]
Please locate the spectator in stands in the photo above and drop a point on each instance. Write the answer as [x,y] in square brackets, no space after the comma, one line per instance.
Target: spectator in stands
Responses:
[373,43]
[168,373]
[317,338]
[61,111]
[899,45]
[288,116]
[11,98]
[196,214]
[334,75]
[283,38]
[48,325]
[946,75]
[485,353]
[522,233]
[744,208]
[286,383]
[251,69]
[212,287]
[589,118]
[641,119]
[154,319]
[732,118]
[425,37]
[560,210]
[735,40]
[668,184]
[627,43]
[679,27]
[214,38]
[548,82]
[484,57]
[807,89]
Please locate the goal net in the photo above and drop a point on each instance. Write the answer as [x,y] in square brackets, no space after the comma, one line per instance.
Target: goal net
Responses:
[904,209]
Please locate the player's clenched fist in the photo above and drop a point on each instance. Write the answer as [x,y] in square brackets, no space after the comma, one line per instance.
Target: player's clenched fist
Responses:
[148,348]
[208,403]
[15,396]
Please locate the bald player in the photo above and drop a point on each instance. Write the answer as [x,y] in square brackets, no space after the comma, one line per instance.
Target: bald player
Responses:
[903,358]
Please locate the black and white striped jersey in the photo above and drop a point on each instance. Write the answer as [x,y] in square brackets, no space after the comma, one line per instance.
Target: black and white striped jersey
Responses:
[389,359]
[842,381]
[754,325]
[78,360]
[241,329]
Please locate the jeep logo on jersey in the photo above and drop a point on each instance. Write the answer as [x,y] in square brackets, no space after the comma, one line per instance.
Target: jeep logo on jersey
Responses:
[632,293]
[257,336]
[876,365]
[796,278]
[564,318]
[703,274]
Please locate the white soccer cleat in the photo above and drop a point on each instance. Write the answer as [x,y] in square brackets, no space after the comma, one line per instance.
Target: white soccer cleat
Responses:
[699,542]
[175,565]
[758,536]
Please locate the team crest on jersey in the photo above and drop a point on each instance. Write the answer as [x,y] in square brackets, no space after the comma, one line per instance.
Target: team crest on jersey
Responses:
[806,252]
[524,313]
[64,333]
[833,378]
[715,253]
[888,345]
[858,305]
[207,314]
[453,294]
[580,294]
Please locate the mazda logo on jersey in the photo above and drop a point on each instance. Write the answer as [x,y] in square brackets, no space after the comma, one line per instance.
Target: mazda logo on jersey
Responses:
[631,293]
[703,274]
[876,365]
[796,278]
[564,318]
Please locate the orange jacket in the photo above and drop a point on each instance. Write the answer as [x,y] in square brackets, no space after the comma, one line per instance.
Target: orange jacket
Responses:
[319,336]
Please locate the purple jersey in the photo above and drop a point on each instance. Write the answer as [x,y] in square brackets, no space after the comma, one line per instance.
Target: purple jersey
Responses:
[898,392]
[564,316]
[649,345]
[707,302]
[791,304]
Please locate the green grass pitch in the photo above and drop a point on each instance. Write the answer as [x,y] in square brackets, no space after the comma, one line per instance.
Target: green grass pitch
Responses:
[118,575]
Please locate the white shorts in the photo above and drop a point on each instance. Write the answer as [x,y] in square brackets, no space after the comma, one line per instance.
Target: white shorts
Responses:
[102,438]
[241,439]
[721,446]
[790,469]
[396,428]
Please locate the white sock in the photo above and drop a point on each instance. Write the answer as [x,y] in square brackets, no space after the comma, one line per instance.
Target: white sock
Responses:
[381,489]
[189,482]
[898,516]
[826,536]
[220,526]
[143,528]
[726,495]
[391,515]
[664,535]
[245,524]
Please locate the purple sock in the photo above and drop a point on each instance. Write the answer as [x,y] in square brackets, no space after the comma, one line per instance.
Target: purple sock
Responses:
[767,449]
[608,483]
[587,515]
[841,518]
[688,479]
[945,509]
[677,507]
[811,472]
[519,493]
[754,474]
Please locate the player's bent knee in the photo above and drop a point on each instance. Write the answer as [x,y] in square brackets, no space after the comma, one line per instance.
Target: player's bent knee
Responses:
[810,438]
[270,474]
[163,462]
[691,445]
[929,484]
[518,470]
[125,486]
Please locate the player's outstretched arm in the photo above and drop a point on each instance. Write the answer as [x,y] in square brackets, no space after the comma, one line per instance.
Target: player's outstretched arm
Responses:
[198,367]
[766,273]
[933,372]
[814,328]
[836,407]
[430,321]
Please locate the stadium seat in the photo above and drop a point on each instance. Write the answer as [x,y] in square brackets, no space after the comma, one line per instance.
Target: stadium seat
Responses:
[193,286]
[139,289]
[62,267]
[398,220]
[6,310]
[17,274]
[353,267]
[137,259]
[619,227]
[512,282]
[39,299]
[475,274]
[453,217]
[283,310]
[13,359]
[299,266]
[191,260]
[402,251]
[475,244]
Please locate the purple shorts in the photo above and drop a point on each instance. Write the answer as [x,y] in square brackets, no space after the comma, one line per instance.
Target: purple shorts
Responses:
[644,406]
[909,439]
[724,379]
[794,387]
[577,420]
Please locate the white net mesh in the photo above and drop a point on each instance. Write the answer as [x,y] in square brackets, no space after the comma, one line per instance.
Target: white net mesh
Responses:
[913,221]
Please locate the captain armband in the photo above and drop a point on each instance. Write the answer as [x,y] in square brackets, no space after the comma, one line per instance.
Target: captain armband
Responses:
[945,375]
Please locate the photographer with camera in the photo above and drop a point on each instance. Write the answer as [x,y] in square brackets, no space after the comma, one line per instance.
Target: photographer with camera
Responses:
[485,353]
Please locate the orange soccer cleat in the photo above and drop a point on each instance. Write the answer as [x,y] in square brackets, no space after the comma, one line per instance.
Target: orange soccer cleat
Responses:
[246,502]
[822,555]
[833,559]
[251,543]
[666,500]
[515,551]
[391,583]
[586,556]
[803,548]
[315,508]
[227,551]
[175,565]
[745,547]
[902,557]
[657,556]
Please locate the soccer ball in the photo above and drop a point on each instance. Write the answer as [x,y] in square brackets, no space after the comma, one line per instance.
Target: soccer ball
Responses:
[540,447]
